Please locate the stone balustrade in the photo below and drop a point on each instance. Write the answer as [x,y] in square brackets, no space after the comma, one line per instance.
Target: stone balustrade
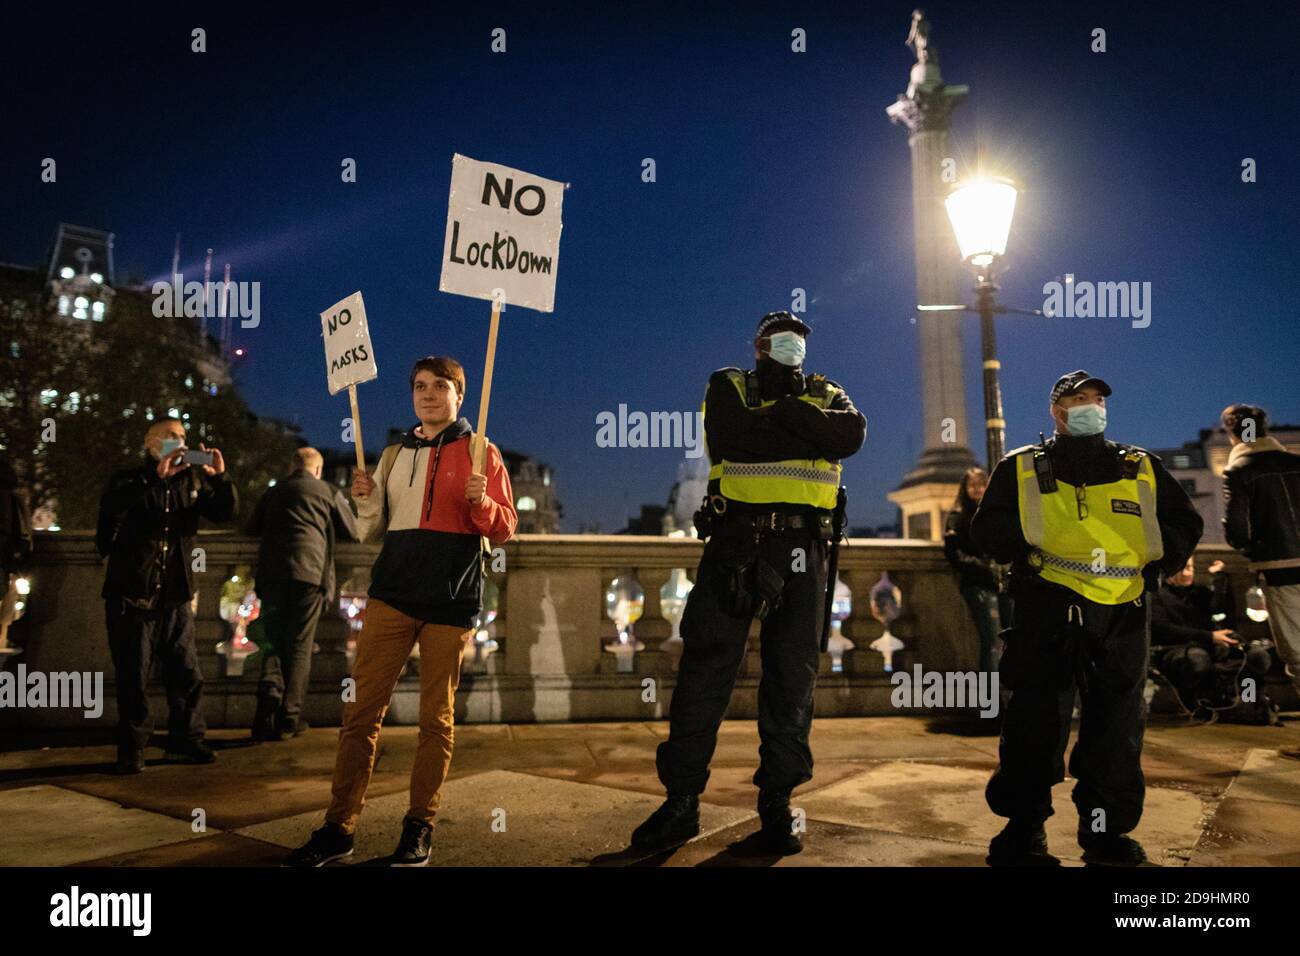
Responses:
[551,629]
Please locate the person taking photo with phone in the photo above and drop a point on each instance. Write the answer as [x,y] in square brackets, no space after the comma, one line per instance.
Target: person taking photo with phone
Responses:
[148,517]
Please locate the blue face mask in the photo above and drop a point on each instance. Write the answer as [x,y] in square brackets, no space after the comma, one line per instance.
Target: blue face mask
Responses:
[1084,420]
[169,445]
[788,348]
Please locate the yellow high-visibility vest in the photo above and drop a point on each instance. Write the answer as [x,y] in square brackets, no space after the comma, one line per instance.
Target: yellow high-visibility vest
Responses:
[1100,556]
[798,481]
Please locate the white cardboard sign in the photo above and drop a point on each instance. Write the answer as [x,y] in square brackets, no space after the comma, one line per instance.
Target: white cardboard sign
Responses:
[349,356]
[503,235]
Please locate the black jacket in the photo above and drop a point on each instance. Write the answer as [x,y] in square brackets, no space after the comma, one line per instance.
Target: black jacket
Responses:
[15,524]
[298,520]
[1185,615]
[791,428]
[1261,490]
[147,528]
[973,567]
[1089,460]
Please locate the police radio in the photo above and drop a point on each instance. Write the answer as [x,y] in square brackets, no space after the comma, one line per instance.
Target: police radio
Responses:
[1043,467]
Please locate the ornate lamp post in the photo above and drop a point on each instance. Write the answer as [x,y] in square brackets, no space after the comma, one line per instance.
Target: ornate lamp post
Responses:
[980,211]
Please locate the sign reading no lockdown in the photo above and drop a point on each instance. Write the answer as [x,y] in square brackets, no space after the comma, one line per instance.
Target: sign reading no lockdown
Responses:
[503,234]
[349,357]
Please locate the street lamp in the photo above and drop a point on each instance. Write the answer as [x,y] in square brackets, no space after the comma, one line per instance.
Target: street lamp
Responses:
[981,211]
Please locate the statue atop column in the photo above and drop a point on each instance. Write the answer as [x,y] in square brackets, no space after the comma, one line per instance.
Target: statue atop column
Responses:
[928,101]
[919,37]
[925,110]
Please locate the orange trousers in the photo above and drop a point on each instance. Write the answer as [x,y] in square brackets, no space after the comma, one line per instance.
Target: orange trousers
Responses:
[385,643]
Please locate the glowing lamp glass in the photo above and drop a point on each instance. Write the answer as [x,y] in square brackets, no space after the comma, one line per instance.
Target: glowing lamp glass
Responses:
[980,212]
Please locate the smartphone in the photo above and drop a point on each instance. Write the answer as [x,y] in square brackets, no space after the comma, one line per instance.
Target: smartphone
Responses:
[192,457]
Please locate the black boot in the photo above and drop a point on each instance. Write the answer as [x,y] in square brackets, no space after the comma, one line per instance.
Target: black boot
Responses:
[1105,849]
[677,821]
[1021,843]
[777,833]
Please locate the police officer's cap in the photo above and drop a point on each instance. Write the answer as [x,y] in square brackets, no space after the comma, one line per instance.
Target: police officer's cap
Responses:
[1074,381]
[780,322]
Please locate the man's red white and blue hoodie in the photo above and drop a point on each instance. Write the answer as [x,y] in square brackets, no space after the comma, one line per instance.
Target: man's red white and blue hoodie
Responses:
[429,567]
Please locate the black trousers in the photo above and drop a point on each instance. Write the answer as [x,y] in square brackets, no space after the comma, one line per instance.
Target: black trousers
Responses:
[136,638]
[290,611]
[1047,659]
[713,648]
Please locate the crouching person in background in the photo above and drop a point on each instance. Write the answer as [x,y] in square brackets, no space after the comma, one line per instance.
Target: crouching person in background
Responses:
[1194,645]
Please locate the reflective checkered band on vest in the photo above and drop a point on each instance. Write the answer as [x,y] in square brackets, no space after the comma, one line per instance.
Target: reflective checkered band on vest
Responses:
[1083,567]
[735,469]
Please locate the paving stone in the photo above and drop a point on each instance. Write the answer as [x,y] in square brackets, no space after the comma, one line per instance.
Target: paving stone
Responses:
[897,790]
[1267,775]
[219,849]
[60,827]
[1250,832]
[947,802]
[548,822]
[825,844]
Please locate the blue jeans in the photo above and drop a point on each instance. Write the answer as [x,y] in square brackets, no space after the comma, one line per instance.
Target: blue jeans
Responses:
[988,610]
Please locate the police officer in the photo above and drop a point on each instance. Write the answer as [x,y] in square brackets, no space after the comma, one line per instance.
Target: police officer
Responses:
[775,439]
[1087,525]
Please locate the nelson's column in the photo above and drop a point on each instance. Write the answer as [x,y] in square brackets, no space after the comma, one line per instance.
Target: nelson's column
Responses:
[925,109]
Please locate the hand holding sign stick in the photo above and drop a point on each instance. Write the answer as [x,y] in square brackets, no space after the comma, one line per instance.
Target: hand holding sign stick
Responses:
[349,357]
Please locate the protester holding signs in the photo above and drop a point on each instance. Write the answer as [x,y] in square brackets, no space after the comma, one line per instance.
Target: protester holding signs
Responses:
[430,510]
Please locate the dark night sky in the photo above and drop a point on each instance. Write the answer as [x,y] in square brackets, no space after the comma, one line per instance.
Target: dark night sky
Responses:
[775,170]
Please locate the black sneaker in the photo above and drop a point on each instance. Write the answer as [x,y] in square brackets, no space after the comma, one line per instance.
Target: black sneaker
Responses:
[265,732]
[677,821]
[1021,844]
[413,847]
[195,752]
[326,845]
[1105,849]
[777,833]
[128,764]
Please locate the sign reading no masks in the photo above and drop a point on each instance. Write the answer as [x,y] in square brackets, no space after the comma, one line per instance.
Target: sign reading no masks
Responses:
[503,234]
[349,357]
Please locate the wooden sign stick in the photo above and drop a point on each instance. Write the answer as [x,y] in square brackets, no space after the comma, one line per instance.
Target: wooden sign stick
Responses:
[356,427]
[480,436]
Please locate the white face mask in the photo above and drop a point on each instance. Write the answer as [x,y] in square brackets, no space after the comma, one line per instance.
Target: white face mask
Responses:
[167,446]
[1084,420]
[788,348]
